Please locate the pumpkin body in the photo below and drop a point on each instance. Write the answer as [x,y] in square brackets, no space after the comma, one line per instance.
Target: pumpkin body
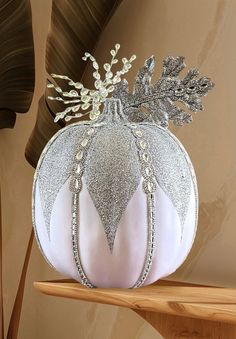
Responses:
[115,203]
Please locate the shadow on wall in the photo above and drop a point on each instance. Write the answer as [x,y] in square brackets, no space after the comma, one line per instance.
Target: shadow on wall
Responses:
[211,219]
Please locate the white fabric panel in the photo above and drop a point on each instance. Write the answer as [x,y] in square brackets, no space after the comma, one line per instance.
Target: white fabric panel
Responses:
[58,249]
[60,232]
[168,237]
[122,267]
[41,229]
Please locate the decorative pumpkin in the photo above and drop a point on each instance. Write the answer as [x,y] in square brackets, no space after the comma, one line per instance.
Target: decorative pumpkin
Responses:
[115,200]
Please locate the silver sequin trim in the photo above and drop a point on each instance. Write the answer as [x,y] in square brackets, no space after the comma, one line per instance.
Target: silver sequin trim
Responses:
[75,187]
[149,187]
[75,241]
[150,240]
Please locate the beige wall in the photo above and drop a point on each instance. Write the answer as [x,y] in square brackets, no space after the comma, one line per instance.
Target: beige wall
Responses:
[204,32]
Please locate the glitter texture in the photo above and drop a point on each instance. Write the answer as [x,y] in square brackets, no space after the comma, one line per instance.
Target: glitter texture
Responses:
[112,174]
[149,187]
[158,102]
[55,167]
[170,167]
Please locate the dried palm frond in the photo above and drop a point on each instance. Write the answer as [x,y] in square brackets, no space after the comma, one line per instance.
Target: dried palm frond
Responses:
[75,28]
[16,60]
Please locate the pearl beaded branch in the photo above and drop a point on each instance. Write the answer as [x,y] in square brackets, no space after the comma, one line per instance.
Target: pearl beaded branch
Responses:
[84,98]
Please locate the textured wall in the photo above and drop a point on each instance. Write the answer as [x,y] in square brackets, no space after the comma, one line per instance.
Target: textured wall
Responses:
[201,30]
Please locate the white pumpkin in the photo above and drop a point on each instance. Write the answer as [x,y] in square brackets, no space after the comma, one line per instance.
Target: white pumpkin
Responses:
[129,189]
[115,200]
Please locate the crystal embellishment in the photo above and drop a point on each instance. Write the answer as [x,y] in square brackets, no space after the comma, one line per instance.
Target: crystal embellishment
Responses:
[75,187]
[84,142]
[149,187]
[142,144]
[79,155]
[90,131]
[145,157]
[148,171]
[82,101]
[78,169]
[138,133]
[75,240]
[148,102]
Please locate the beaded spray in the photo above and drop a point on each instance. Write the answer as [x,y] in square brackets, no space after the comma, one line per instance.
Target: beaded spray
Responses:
[148,102]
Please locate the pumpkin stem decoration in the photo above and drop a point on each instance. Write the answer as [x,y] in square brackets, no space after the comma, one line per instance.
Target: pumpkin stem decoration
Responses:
[84,98]
[156,102]
[148,102]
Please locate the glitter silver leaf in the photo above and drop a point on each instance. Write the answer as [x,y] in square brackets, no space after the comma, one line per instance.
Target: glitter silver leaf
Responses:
[143,78]
[160,99]
[122,91]
[172,66]
[137,114]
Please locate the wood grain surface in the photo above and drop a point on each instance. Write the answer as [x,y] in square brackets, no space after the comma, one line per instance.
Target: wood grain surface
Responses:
[210,303]
[16,60]
[176,310]
[177,327]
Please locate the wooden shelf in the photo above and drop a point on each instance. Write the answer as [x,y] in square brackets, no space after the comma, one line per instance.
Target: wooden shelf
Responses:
[176,310]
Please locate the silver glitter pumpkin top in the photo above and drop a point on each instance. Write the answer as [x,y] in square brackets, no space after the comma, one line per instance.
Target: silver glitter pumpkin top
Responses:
[112,169]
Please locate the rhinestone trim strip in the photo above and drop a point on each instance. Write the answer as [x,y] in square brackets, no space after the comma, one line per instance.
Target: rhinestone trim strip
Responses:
[75,240]
[150,240]
[75,188]
[36,175]
[78,168]
[149,187]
